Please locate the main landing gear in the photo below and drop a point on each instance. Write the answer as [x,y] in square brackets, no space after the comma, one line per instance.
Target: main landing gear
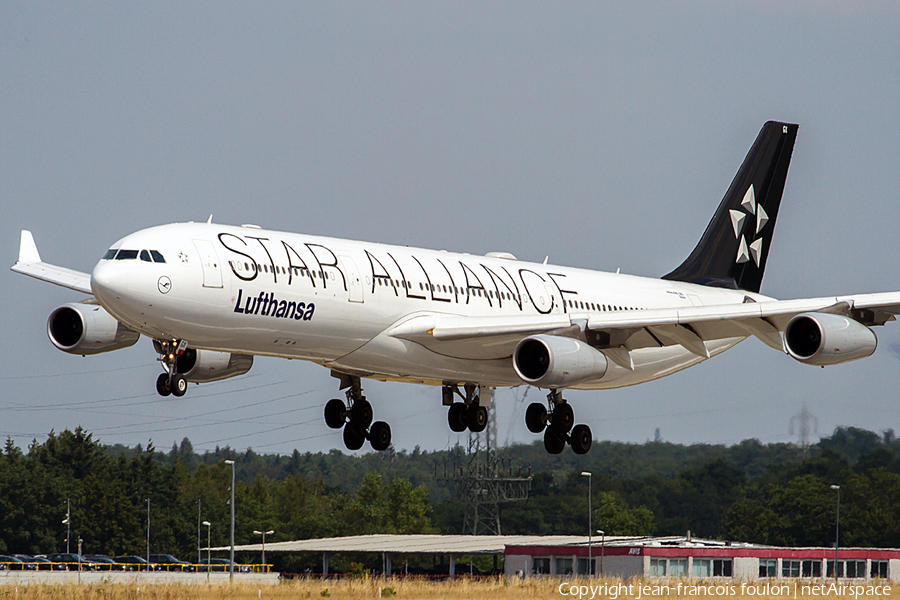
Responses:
[355,416]
[557,425]
[170,382]
[468,414]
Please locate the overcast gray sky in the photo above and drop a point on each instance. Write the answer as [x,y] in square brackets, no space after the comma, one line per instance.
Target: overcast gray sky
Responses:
[602,134]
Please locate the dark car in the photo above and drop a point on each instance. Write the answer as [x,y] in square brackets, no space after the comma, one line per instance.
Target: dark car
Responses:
[72,562]
[132,562]
[219,565]
[39,563]
[11,563]
[167,562]
[104,563]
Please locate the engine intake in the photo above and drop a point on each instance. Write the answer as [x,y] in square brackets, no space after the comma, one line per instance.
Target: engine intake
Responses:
[825,339]
[87,329]
[551,361]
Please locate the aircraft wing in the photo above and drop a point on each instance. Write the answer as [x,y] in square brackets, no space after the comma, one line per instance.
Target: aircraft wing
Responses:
[616,332]
[29,263]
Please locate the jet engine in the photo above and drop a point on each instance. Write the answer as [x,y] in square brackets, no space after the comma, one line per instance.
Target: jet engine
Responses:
[203,366]
[826,339]
[550,361]
[79,328]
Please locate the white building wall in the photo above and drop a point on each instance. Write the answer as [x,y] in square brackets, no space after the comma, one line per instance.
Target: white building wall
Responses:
[622,566]
[894,570]
[517,562]
[745,567]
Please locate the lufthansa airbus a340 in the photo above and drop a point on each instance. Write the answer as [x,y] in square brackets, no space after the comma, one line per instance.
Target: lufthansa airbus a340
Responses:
[212,296]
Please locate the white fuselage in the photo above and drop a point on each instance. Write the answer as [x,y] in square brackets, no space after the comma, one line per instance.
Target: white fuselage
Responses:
[331,301]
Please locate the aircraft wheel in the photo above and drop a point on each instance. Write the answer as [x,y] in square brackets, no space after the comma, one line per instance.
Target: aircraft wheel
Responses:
[581,439]
[334,413]
[536,417]
[361,414]
[179,385]
[353,440]
[162,384]
[563,417]
[456,416]
[476,418]
[380,436]
[554,442]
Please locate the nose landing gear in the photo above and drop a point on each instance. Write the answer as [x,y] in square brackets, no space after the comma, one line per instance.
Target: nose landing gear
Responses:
[171,382]
[557,425]
[355,416]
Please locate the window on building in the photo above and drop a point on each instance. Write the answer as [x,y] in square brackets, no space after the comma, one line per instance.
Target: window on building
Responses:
[540,566]
[678,567]
[767,567]
[702,567]
[563,566]
[879,569]
[811,568]
[847,568]
[722,567]
[790,568]
[583,566]
[657,567]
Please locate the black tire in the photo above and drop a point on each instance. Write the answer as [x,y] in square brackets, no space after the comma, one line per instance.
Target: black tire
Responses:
[476,418]
[162,385]
[536,417]
[361,414]
[554,442]
[563,417]
[380,436]
[353,439]
[179,385]
[456,417]
[334,413]
[581,439]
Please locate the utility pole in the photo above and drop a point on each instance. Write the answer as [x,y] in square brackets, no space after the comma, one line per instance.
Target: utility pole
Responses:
[590,477]
[148,534]
[231,565]
[837,530]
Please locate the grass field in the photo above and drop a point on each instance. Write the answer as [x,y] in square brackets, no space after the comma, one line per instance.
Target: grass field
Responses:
[493,589]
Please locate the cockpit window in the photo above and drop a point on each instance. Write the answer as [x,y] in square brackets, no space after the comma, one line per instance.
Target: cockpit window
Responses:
[127,255]
[145,256]
[157,257]
[110,254]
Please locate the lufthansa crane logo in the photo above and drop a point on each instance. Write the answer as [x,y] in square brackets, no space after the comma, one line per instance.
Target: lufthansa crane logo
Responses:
[164,284]
[738,218]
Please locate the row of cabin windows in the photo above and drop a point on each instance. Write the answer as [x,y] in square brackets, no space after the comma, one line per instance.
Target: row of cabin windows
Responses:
[598,307]
[144,255]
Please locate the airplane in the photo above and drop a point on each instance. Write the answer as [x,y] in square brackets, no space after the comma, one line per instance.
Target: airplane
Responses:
[211,297]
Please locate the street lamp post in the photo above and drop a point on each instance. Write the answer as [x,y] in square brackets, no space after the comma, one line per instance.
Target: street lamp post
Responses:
[68,523]
[264,534]
[837,530]
[231,565]
[602,547]
[199,517]
[148,534]
[590,477]
[208,561]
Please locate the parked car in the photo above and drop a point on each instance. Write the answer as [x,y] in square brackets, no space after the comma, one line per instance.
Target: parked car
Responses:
[41,562]
[11,563]
[132,562]
[218,565]
[167,562]
[104,563]
[30,565]
[72,562]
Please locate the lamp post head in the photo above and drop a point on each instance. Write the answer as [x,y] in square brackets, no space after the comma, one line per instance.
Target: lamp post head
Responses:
[835,487]
[601,532]
[206,523]
[270,532]
[229,462]
[586,473]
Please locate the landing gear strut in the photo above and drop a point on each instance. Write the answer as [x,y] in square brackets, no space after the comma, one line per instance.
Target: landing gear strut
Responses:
[170,382]
[557,425]
[355,416]
[468,414]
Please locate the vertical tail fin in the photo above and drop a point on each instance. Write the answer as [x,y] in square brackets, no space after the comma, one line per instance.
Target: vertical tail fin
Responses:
[733,250]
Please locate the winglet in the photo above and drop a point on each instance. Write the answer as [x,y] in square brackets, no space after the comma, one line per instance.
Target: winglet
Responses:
[28,252]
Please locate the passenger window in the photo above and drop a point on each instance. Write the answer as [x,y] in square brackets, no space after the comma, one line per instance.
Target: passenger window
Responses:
[157,257]
[145,256]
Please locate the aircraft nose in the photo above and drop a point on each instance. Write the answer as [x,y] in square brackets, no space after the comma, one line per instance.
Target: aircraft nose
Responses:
[108,281]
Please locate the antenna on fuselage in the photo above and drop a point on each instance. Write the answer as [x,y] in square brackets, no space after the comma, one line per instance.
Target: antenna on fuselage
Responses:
[209,220]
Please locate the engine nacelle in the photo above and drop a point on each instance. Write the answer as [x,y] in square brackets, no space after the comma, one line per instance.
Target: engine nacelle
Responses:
[79,328]
[825,339]
[203,366]
[551,361]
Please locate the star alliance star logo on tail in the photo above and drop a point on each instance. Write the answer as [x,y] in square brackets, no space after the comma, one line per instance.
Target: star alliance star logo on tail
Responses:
[738,219]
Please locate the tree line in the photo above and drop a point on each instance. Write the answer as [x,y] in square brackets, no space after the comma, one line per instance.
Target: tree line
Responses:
[767,493]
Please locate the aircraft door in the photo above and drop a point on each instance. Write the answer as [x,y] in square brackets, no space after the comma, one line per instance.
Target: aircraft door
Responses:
[212,274]
[354,282]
